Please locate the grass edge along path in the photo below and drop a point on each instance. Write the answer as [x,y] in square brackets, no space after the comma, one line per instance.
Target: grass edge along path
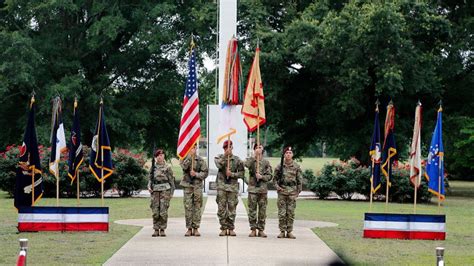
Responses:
[92,248]
[347,241]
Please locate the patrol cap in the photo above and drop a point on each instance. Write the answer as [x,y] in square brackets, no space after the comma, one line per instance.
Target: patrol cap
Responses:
[158,152]
[226,143]
[287,148]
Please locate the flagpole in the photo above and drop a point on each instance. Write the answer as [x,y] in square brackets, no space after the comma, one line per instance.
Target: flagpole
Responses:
[33,186]
[439,183]
[418,178]
[77,186]
[101,159]
[388,187]
[373,164]
[371,186]
[34,166]
[57,185]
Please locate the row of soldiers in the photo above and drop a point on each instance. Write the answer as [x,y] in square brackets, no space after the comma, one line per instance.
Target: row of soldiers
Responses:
[287,179]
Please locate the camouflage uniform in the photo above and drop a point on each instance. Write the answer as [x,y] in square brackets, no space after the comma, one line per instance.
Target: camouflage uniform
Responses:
[162,184]
[291,183]
[228,189]
[193,189]
[258,192]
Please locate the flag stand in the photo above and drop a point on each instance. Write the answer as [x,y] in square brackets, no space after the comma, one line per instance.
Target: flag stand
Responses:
[57,186]
[33,187]
[371,186]
[439,183]
[77,187]
[388,186]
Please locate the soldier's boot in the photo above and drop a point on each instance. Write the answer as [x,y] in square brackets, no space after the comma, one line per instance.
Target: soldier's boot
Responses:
[162,232]
[290,235]
[223,233]
[189,232]
[231,232]
[156,233]
[281,235]
[253,233]
[196,232]
[261,233]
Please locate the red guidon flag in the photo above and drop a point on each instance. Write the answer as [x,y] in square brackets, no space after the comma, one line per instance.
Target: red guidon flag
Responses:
[253,108]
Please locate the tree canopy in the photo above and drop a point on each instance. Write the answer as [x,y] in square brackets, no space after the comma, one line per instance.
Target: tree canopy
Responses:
[323,63]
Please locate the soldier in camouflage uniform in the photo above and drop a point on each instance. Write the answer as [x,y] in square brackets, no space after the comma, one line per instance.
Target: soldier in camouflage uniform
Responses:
[161,187]
[288,182]
[230,169]
[192,182]
[257,191]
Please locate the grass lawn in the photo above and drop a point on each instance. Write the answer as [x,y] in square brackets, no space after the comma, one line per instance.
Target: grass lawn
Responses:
[346,239]
[56,248]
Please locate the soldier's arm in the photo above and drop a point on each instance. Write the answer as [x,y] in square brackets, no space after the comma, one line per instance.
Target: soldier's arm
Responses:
[185,163]
[276,177]
[267,172]
[248,162]
[240,171]
[220,163]
[204,172]
[171,178]
[299,179]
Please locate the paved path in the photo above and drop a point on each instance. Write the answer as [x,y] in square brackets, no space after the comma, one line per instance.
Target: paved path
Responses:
[210,249]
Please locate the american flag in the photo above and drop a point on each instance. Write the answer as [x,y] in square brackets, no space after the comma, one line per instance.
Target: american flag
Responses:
[190,128]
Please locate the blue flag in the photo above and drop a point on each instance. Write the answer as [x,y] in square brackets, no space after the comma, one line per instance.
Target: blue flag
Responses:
[434,166]
[29,182]
[389,150]
[375,155]
[76,156]
[101,153]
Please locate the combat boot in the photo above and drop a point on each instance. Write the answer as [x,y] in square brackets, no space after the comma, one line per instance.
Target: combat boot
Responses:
[223,233]
[156,233]
[231,232]
[196,232]
[281,235]
[162,232]
[290,235]
[189,232]
[261,233]
[253,233]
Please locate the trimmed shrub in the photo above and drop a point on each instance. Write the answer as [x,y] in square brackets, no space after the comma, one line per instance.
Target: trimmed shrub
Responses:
[346,178]
[129,174]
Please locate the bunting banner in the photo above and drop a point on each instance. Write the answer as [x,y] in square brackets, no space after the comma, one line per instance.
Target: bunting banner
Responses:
[29,181]
[33,219]
[253,108]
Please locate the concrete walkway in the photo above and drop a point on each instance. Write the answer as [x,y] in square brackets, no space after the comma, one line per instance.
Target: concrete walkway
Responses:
[210,249]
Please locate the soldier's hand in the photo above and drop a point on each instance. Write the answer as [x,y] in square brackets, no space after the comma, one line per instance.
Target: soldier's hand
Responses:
[279,188]
[228,173]
[192,173]
[150,190]
[259,176]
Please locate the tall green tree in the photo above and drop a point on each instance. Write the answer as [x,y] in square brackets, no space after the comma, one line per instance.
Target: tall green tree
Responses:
[131,53]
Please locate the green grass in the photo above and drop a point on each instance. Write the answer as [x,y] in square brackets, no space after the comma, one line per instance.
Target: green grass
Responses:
[346,239]
[54,248]
[314,164]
